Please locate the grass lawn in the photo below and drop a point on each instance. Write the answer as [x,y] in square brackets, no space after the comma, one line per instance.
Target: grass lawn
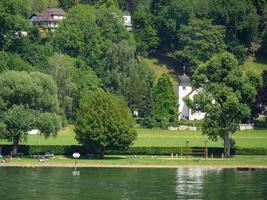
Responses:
[145,161]
[256,66]
[158,137]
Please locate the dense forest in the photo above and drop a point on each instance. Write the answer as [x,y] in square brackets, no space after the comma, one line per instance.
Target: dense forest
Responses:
[91,49]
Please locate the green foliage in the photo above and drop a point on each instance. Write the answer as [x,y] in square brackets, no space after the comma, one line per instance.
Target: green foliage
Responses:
[35,54]
[87,32]
[160,151]
[239,18]
[28,101]
[12,61]
[61,68]
[225,97]
[12,22]
[199,41]
[104,123]
[260,105]
[164,100]
[145,33]
[121,74]
[40,5]
[263,49]
[169,20]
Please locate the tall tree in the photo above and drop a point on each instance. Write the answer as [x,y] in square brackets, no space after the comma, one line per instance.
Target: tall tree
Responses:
[198,41]
[104,123]
[27,101]
[225,96]
[121,74]
[61,68]
[164,99]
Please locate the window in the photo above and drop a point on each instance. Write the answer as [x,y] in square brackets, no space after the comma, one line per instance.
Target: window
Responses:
[184,87]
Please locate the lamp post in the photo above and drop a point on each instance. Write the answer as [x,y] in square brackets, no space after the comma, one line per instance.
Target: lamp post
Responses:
[76,156]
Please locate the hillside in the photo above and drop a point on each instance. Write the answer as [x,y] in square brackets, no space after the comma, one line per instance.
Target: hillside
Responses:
[164,65]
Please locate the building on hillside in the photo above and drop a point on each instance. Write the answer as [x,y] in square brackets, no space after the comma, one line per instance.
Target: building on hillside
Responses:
[127,22]
[184,89]
[49,18]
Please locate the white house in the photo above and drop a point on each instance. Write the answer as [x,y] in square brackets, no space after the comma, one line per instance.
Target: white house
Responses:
[49,18]
[127,22]
[182,90]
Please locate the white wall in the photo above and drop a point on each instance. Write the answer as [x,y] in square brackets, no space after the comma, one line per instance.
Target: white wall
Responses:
[184,111]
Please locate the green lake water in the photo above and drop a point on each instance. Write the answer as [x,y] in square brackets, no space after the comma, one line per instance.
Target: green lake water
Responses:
[131,184]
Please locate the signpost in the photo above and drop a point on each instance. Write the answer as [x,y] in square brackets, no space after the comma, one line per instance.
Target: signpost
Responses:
[76,156]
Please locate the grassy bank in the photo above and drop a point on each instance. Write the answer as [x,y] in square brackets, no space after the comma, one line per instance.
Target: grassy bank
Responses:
[146,161]
[161,138]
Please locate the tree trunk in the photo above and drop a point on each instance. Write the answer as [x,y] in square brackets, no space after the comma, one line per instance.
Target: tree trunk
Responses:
[227,145]
[15,145]
[102,152]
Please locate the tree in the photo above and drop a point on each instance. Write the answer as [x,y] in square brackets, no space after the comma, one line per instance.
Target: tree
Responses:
[225,96]
[169,21]
[198,41]
[12,61]
[12,22]
[239,17]
[260,105]
[104,123]
[73,79]
[87,32]
[61,68]
[27,101]
[121,74]
[144,31]
[164,99]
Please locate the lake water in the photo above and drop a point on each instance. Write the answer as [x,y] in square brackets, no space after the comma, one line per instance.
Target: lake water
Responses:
[131,184]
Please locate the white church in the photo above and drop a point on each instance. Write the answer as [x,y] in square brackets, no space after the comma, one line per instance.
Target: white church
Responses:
[184,89]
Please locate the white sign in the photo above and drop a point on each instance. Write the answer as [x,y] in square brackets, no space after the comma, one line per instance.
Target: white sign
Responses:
[76,155]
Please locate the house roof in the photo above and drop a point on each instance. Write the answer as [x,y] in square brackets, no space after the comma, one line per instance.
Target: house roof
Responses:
[47,16]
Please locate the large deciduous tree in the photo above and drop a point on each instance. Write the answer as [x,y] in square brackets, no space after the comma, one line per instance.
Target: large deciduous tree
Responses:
[27,101]
[225,96]
[198,41]
[104,123]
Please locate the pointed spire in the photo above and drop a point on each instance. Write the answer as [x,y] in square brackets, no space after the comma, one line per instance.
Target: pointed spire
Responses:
[184,69]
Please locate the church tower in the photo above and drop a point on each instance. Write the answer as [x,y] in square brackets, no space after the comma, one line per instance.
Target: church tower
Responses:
[184,89]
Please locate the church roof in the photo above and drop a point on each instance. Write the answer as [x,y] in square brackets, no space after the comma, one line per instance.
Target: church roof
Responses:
[185,80]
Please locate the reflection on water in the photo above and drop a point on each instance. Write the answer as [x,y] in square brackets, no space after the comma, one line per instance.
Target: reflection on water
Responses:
[131,184]
[189,182]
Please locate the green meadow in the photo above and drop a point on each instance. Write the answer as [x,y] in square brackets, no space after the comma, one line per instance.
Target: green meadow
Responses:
[160,138]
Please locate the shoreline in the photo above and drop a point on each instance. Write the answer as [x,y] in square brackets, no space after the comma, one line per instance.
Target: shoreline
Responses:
[41,165]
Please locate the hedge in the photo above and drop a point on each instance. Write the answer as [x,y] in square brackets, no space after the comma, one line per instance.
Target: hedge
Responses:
[68,150]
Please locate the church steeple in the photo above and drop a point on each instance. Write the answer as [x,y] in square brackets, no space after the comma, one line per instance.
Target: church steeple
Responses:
[184,79]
